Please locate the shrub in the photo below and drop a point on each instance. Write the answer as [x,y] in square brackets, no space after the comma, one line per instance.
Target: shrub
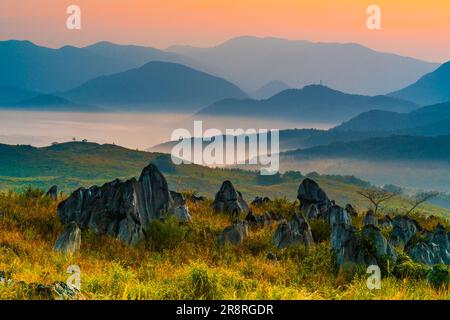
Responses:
[204,283]
[320,230]
[411,269]
[166,234]
[439,276]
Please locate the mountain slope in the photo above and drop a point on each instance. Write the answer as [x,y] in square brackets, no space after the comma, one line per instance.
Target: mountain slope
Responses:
[432,88]
[36,68]
[270,89]
[312,103]
[10,95]
[384,148]
[292,139]
[156,86]
[427,120]
[252,62]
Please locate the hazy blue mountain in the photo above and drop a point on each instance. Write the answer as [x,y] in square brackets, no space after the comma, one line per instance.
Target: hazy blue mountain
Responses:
[252,62]
[155,86]
[48,102]
[36,68]
[270,89]
[432,88]
[312,103]
[394,147]
[293,139]
[429,120]
[10,95]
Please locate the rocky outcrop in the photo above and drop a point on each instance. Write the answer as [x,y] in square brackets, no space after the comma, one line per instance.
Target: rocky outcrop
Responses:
[370,218]
[262,220]
[122,209]
[351,211]
[337,215]
[52,193]
[69,241]
[435,250]
[179,209]
[404,228]
[314,201]
[296,231]
[229,200]
[385,222]
[367,247]
[196,199]
[259,201]
[234,234]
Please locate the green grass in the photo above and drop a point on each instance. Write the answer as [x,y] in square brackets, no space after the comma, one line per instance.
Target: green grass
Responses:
[181,261]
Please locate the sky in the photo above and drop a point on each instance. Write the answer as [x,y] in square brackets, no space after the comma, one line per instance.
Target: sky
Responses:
[415,28]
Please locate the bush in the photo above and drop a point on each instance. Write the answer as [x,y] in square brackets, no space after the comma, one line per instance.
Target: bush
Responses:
[320,230]
[166,234]
[411,269]
[439,276]
[204,284]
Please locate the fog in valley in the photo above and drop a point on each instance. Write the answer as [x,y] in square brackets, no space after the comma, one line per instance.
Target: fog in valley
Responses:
[131,130]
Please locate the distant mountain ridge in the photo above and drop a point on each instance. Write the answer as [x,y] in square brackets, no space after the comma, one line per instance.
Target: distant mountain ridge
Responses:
[155,86]
[432,88]
[270,89]
[429,120]
[37,68]
[312,103]
[252,62]
[395,147]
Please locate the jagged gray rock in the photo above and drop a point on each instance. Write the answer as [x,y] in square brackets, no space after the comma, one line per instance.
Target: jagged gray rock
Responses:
[262,220]
[385,222]
[122,209]
[52,193]
[234,234]
[434,251]
[179,209]
[370,248]
[296,231]
[229,200]
[259,201]
[370,218]
[69,241]
[311,195]
[338,215]
[351,211]
[404,228]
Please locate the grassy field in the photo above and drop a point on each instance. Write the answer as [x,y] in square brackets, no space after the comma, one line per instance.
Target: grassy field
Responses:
[76,164]
[182,261]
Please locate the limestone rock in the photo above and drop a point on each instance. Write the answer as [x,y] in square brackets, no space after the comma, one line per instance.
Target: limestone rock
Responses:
[234,234]
[70,239]
[338,215]
[52,193]
[434,251]
[351,211]
[179,209]
[385,222]
[404,228]
[296,231]
[370,218]
[309,193]
[122,209]
[229,200]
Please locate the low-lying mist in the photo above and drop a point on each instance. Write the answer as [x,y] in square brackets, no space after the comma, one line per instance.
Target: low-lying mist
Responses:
[414,175]
[131,130]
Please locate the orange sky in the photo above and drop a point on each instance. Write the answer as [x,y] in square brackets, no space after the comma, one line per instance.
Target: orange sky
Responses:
[416,28]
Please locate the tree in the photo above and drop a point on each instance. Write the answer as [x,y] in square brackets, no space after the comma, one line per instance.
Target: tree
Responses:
[377,196]
[420,198]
